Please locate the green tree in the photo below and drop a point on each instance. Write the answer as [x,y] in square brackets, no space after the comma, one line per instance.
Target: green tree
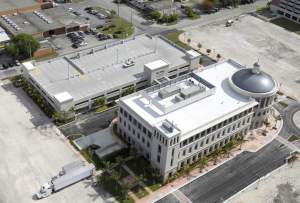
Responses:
[24,42]
[134,154]
[189,11]
[12,50]
[202,162]
[73,110]
[96,102]
[113,12]
[199,45]
[139,180]
[242,137]
[218,56]
[64,115]
[116,112]
[208,50]
[125,186]
[269,4]
[166,18]
[230,146]
[207,5]
[120,160]
[201,60]
[155,15]
[173,17]
[102,101]
[217,153]
[277,118]
[189,40]
[107,165]
[56,116]
[267,124]
[116,177]
[154,174]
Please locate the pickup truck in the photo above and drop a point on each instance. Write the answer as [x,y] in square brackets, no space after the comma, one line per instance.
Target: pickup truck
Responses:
[128,64]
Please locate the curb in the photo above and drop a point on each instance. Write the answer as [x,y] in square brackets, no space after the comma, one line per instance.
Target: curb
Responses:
[67,123]
[105,109]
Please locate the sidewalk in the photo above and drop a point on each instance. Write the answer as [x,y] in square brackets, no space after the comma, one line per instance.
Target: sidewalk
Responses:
[184,38]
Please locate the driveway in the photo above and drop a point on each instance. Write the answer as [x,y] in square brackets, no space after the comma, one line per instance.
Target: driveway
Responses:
[11,71]
[228,179]
[32,153]
[88,123]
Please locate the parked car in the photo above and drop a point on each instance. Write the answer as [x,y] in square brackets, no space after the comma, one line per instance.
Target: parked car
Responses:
[75,13]
[107,28]
[88,8]
[81,16]
[58,47]
[108,20]
[99,26]
[75,46]
[109,36]
[82,37]
[4,65]
[87,32]
[128,64]
[80,33]
[78,41]
[70,9]
[102,38]
[230,21]
[115,36]
[83,44]
[17,62]
[118,32]
[112,25]
[208,12]
[10,64]
[87,18]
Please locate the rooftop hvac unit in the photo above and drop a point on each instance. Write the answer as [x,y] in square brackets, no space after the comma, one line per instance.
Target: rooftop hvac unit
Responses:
[3,16]
[15,14]
[178,98]
[169,91]
[192,91]
[34,12]
[18,29]
[48,21]
[167,126]
[43,18]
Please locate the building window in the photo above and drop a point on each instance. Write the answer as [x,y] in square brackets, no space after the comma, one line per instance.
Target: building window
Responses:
[129,127]
[147,156]
[183,154]
[134,121]
[125,114]
[133,131]
[248,120]
[218,136]
[158,158]
[233,128]
[184,143]
[120,120]
[213,138]
[197,136]
[171,164]
[139,126]
[207,140]
[124,124]
[225,123]
[130,117]
[223,133]
[149,134]
[144,130]
[243,122]
[159,148]
[191,139]
[171,142]
[128,138]
[214,128]
[259,114]
[199,155]
[208,130]
[139,135]
[190,149]
[121,110]
[220,125]
[201,144]
[173,150]
[182,164]
[230,120]
[228,130]
[148,144]
[120,130]
[196,146]
[143,140]
[202,133]
[188,161]
[194,158]
[238,125]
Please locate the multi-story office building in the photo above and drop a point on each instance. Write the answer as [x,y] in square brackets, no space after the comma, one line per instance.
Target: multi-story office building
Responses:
[178,121]
[287,8]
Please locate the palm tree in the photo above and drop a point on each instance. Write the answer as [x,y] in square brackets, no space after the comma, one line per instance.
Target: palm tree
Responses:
[116,177]
[96,102]
[139,180]
[217,153]
[126,92]
[202,162]
[134,154]
[267,124]
[101,177]
[242,136]
[144,165]
[56,116]
[277,118]
[133,89]
[230,146]
[125,186]
[73,110]
[120,160]
[64,114]
[116,112]
[103,101]
[107,165]
[154,174]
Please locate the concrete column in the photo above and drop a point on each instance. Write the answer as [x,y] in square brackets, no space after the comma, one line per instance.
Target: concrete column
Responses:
[92,50]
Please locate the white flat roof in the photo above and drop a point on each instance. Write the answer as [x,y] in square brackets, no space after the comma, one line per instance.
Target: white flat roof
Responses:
[198,113]
[193,53]
[62,97]
[28,65]
[156,64]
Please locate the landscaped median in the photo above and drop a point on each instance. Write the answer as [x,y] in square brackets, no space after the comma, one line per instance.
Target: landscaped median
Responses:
[287,24]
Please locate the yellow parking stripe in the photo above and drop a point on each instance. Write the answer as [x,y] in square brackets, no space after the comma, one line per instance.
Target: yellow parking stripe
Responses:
[154,39]
[37,72]
[85,77]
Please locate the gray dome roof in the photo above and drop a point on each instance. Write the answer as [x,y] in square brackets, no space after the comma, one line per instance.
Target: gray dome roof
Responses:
[256,83]
[257,64]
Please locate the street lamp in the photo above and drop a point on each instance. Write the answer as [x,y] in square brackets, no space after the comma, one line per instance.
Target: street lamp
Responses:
[118,8]
[257,182]
[214,52]
[155,44]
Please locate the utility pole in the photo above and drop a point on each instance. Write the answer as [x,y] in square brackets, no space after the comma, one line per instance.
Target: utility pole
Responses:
[68,71]
[118,8]
[155,43]
[122,28]
[131,16]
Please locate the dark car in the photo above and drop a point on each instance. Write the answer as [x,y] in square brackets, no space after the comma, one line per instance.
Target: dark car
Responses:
[107,28]
[10,64]
[208,12]
[99,26]
[87,32]
[75,46]
[87,18]
[115,36]
[75,13]
[102,38]
[96,12]
[4,65]
[112,25]
[78,41]
[88,8]
[118,32]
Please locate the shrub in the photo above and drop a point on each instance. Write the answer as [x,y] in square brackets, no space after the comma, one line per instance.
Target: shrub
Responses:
[201,60]
[186,167]
[208,50]
[113,12]
[218,56]
[189,40]
[234,141]
[173,17]
[177,174]
[199,45]
[207,5]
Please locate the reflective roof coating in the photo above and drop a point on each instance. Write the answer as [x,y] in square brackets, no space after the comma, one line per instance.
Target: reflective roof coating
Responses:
[256,83]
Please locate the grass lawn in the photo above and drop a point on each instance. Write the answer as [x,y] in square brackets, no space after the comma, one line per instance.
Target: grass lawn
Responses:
[287,24]
[15,79]
[138,194]
[280,93]
[154,187]
[43,57]
[293,138]
[195,16]
[118,22]
[74,137]
[173,23]
[283,104]
[291,98]
[61,122]
[119,169]
[173,37]
[264,10]
[110,186]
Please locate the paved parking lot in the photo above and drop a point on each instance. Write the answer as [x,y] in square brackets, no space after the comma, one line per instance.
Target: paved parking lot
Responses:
[250,39]
[31,154]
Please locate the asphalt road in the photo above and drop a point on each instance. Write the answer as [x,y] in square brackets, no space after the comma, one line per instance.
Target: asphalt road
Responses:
[236,174]
[289,128]
[89,123]
[168,199]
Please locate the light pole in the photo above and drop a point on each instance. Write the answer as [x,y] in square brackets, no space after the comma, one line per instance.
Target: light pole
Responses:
[257,182]
[214,52]
[118,8]
[117,55]
[131,16]
[155,43]
[280,86]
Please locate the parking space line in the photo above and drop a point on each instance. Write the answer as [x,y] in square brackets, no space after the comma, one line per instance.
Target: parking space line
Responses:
[91,91]
[85,93]
[80,95]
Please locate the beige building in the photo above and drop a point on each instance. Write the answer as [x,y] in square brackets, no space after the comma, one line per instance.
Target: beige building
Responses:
[164,7]
[287,8]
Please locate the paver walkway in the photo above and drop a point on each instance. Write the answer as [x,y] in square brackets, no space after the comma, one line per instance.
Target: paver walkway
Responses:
[181,196]
[296,119]
[287,143]
[111,130]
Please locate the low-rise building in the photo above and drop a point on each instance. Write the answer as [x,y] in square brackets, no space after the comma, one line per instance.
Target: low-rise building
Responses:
[288,8]
[164,7]
[175,123]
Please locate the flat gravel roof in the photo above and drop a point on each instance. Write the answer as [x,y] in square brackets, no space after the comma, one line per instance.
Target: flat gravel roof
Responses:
[7,5]
[53,77]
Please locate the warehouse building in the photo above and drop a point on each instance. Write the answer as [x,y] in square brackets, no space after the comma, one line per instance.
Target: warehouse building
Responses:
[78,79]
[176,122]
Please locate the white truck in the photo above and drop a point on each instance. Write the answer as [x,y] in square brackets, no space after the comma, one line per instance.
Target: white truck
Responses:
[68,179]
[70,167]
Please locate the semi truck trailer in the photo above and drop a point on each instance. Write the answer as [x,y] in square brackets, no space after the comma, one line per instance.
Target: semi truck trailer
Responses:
[68,179]
[70,167]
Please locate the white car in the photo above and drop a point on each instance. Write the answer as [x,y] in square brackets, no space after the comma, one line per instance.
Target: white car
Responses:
[109,36]
[17,63]
[80,33]
[70,9]
[128,64]
[58,47]
[83,44]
